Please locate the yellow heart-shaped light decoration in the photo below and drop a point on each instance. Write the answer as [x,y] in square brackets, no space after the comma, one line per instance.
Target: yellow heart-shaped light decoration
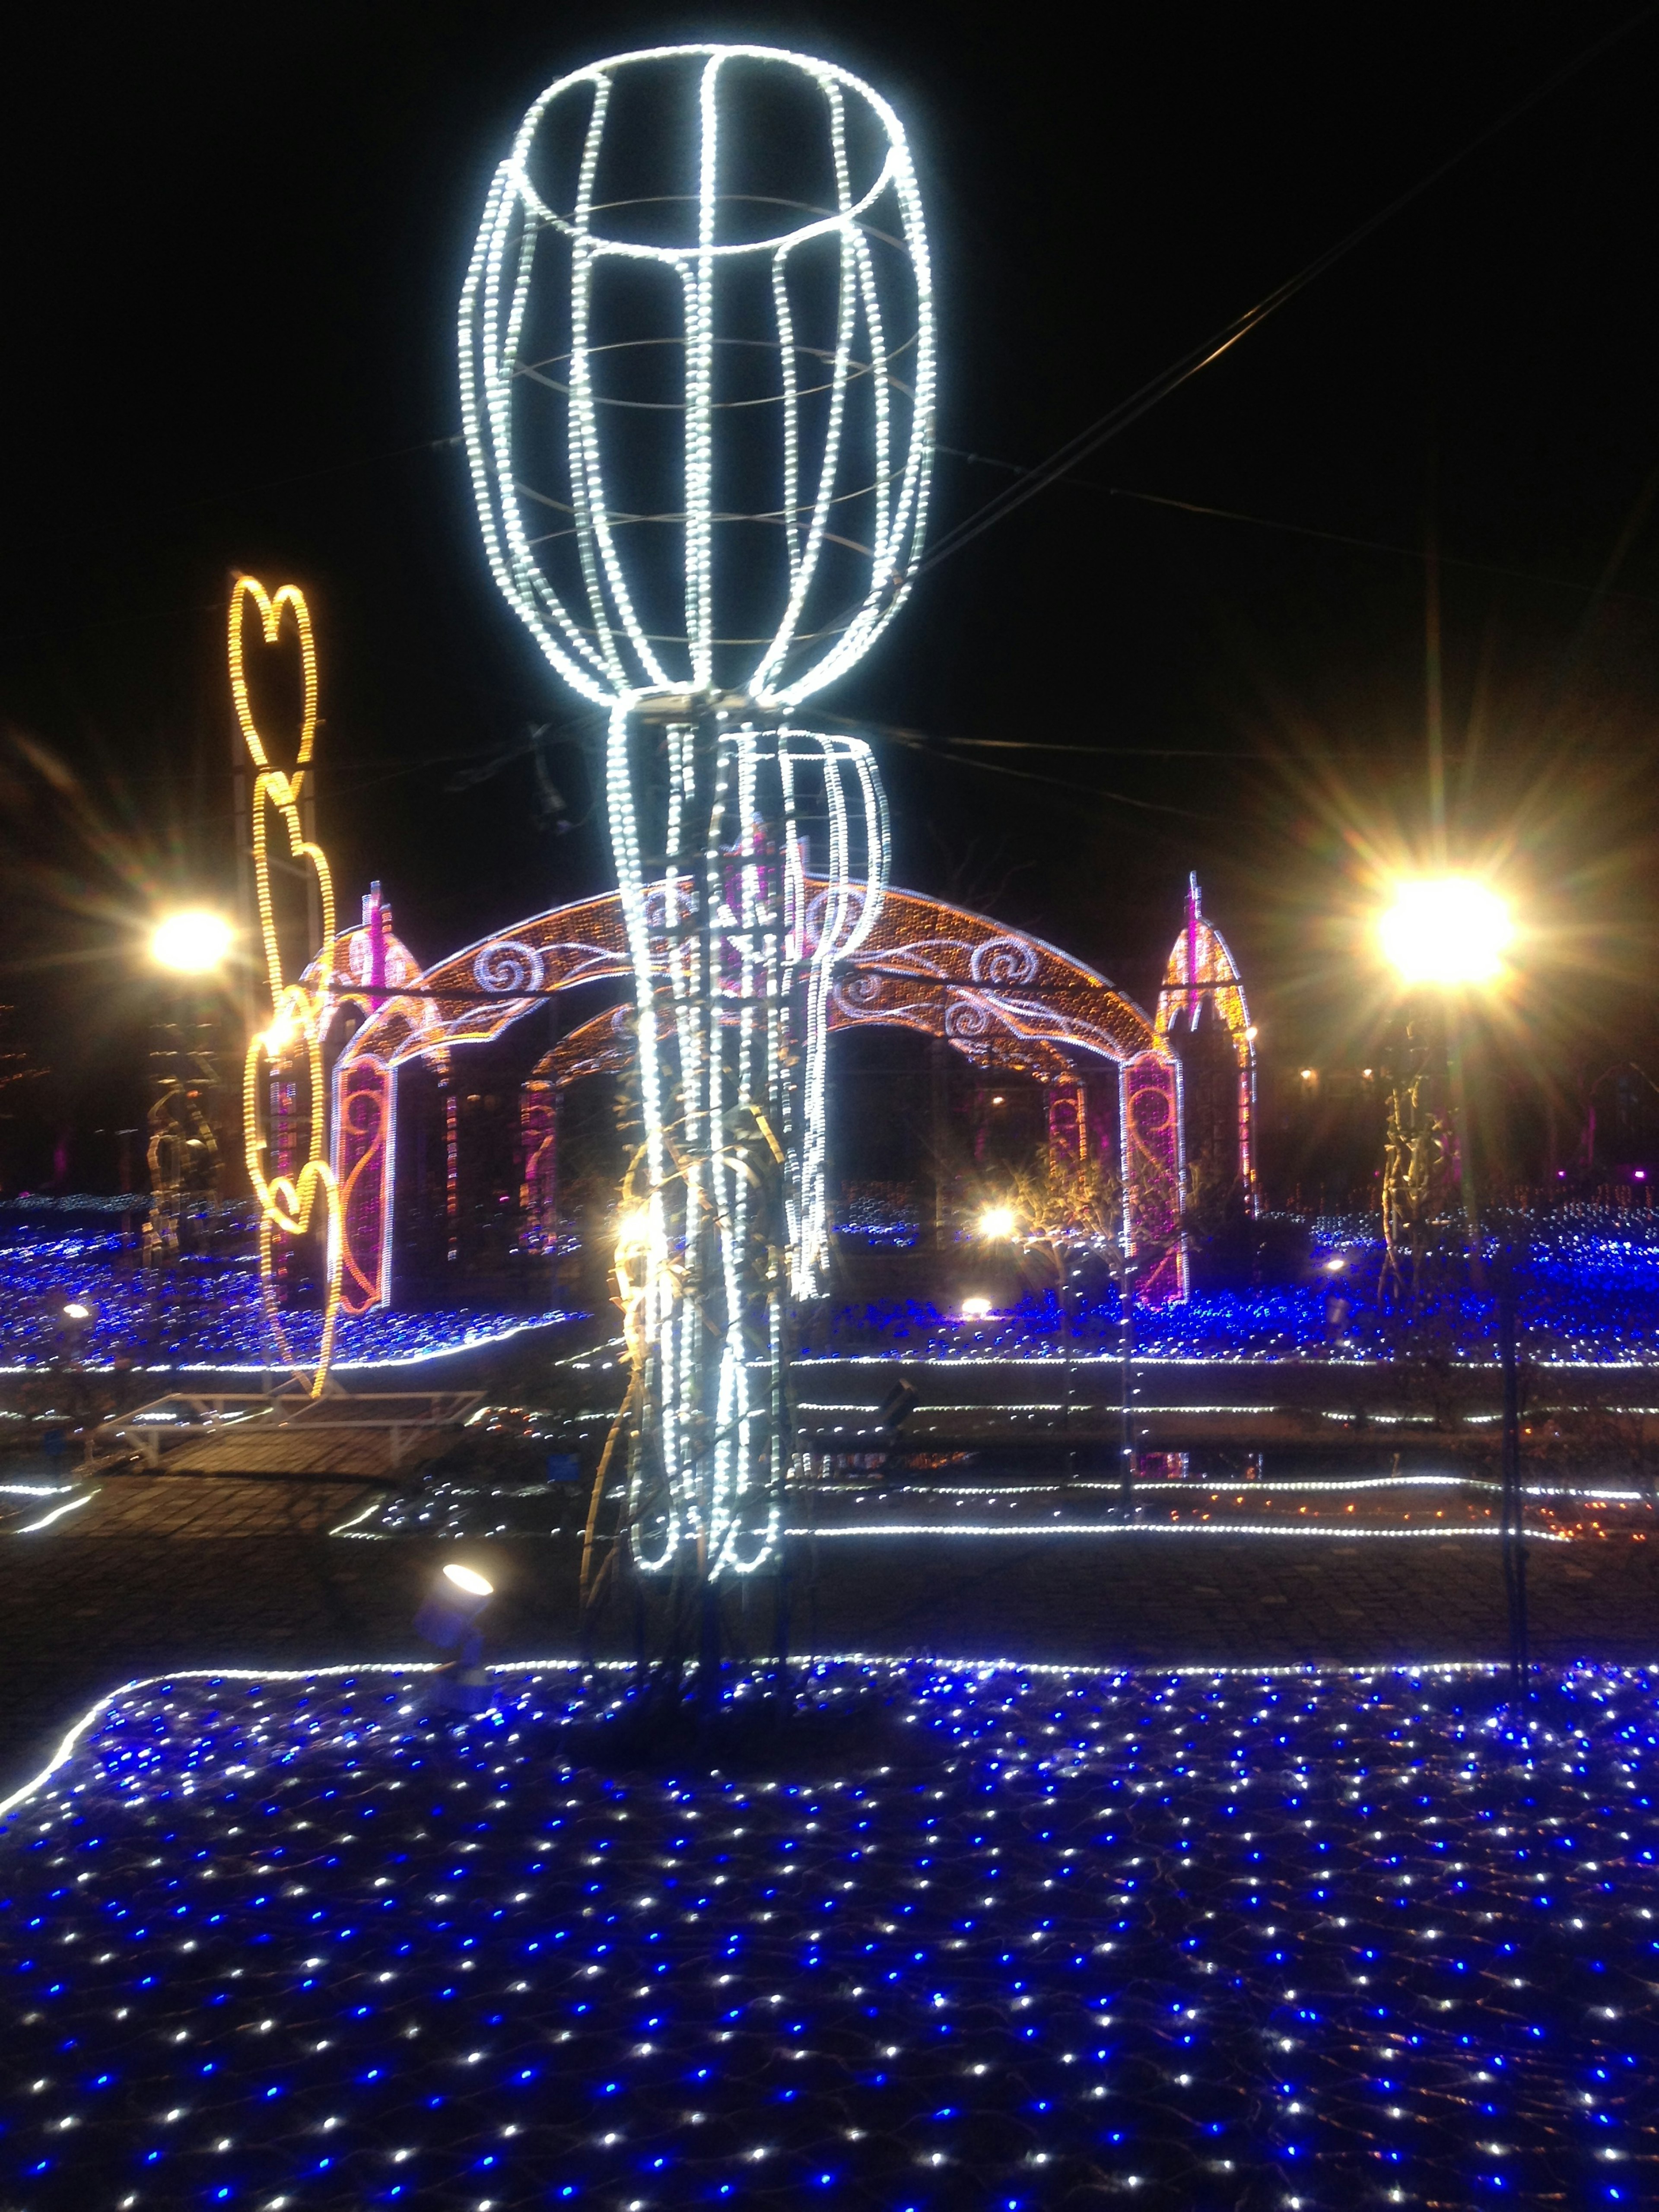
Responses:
[271,618]
[299,1017]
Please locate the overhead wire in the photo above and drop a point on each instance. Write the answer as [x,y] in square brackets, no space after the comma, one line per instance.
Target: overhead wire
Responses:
[1128,411]
[1603,589]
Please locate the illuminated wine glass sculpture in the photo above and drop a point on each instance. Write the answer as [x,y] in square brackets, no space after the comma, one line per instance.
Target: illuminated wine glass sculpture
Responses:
[697,384]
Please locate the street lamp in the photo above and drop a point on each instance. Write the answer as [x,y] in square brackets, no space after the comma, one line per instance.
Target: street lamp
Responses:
[193,942]
[191,946]
[1448,932]
[1451,933]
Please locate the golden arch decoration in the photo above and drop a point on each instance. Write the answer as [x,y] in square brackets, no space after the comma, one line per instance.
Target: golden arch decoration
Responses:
[926,965]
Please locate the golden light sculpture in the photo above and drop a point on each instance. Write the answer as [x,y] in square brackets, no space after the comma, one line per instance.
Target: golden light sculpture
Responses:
[299,1017]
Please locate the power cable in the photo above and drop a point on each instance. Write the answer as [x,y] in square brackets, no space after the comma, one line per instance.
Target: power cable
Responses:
[1602,589]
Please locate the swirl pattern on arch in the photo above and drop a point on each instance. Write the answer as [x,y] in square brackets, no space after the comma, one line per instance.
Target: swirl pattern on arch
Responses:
[505,967]
[925,964]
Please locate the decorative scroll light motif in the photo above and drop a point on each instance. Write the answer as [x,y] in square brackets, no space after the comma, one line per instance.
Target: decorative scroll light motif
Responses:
[699,445]
[292,1040]
[1201,971]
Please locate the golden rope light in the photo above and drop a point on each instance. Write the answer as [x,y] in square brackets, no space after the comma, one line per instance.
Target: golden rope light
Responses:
[299,1015]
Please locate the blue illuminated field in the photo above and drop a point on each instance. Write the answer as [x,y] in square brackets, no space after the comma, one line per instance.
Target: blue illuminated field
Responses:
[201,1313]
[1587,1288]
[1065,1939]
[1586,1285]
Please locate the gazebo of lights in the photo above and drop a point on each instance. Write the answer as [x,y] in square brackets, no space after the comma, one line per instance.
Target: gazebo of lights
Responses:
[697,386]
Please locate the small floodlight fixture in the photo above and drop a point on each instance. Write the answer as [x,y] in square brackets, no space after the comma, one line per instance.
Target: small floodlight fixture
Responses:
[77,1310]
[997,1224]
[1450,931]
[449,1621]
[191,943]
[975,1309]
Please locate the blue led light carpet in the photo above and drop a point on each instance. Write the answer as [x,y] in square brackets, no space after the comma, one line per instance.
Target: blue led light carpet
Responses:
[1049,1940]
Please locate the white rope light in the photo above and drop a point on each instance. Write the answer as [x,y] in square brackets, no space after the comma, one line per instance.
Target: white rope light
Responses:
[701,459]
[863,430]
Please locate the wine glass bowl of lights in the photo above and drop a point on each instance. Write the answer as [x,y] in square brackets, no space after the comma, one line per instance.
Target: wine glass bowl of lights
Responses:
[698,374]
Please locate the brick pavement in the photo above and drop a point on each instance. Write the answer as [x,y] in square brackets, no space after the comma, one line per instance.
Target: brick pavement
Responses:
[86,1612]
[215,1507]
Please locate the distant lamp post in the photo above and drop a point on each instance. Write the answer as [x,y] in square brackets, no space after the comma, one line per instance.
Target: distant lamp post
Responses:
[192,946]
[194,943]
[1444,936]
[1448,934]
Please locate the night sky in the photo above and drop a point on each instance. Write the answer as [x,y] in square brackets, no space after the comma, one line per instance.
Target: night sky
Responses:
[233,243]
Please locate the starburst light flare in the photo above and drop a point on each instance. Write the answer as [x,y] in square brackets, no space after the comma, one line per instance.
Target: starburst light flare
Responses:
[1446,930]
[697,376]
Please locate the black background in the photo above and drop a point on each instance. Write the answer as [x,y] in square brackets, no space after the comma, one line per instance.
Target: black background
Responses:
[233,241]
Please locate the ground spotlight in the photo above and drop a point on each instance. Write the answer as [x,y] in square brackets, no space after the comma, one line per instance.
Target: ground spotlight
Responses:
[449,1621]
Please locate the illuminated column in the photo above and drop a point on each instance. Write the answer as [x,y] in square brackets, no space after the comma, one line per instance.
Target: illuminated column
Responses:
[1150,1106]
[538,1117]
[365,1158]
[1201,976]
[452,1168]
[1068,1123]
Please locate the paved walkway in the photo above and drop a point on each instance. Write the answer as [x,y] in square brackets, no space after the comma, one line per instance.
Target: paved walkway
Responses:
[85,1613]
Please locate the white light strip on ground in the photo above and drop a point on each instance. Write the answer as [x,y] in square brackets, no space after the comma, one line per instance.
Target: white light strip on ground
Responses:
[1082,1406]
[479,1343]
[1332,1532]
[57,1513]
[1188,1485]
[372,1506]
[1255,1359]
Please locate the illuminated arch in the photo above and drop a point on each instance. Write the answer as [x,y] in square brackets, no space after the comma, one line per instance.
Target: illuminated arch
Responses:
[1201,969]
[988,990]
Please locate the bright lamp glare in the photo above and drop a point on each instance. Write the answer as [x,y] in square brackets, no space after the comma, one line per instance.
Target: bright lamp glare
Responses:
[473,1584]
[191,943]
[76,1310]
[1447,930]
[997,1221]
[975,1309]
